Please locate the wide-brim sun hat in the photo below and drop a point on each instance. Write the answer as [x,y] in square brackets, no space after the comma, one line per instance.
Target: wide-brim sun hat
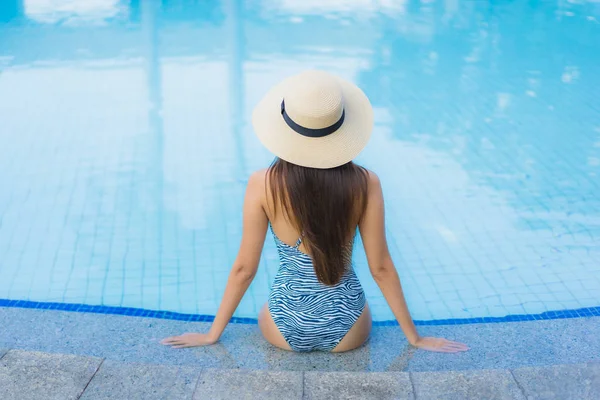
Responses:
[314,119]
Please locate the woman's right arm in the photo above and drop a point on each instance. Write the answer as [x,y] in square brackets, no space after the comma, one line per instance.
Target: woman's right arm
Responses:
[372,232]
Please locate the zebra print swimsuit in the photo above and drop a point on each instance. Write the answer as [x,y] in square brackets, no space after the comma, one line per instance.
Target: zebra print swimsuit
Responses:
[309,314]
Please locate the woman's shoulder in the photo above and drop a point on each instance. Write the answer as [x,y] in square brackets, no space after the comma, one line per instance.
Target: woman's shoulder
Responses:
[257,180]
[258,177]
[373,178]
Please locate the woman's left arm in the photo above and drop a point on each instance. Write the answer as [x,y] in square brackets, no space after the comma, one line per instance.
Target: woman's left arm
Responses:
[244,268]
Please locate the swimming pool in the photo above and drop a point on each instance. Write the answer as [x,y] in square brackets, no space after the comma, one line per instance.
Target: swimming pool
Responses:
[126,144]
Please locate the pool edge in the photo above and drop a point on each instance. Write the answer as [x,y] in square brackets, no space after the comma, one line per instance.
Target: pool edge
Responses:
[170,315]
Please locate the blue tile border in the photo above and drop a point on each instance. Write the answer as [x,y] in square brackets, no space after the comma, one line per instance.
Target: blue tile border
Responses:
[140,312]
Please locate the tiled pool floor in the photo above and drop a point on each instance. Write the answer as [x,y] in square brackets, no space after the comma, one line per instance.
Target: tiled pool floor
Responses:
[125,145]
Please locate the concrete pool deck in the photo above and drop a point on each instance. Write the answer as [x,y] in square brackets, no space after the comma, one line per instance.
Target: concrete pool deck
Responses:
[35,375]
[507,359]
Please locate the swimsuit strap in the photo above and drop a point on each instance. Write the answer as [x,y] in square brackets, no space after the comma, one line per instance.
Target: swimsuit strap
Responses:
[299,241]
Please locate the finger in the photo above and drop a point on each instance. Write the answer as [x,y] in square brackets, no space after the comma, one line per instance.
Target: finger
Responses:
[177,342]
[170,340]
[456,345]
[167,340]
[433,348]
[442,350]
[453,342]
[452,349]
[182,346]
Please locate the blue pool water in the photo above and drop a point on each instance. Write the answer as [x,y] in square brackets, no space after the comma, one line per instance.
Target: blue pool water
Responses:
[126,144]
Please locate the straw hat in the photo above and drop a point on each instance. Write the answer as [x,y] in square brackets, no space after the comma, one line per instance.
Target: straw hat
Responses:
[314,119]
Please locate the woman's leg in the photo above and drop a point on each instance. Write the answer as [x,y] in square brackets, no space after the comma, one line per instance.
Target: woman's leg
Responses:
[269,329]
[358,334]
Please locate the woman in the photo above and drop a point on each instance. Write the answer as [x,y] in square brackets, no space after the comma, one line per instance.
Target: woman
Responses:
[314,198]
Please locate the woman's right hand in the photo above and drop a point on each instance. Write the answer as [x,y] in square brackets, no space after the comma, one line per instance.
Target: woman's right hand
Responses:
[439,345]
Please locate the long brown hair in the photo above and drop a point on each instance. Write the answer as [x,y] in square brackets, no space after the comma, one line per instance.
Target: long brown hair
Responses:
[325,205]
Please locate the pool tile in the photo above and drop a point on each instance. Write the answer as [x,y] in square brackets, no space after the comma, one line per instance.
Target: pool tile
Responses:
[143,211]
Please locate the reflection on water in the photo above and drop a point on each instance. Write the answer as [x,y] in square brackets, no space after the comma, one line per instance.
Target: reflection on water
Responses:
[67,12]
[126,144]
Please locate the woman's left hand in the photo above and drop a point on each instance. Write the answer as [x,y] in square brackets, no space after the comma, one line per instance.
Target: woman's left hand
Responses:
[189,340]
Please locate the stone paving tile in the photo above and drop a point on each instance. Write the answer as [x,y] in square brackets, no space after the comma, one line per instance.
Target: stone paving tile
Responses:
[460,385]
[357,385]
[32,375]
[241,384]
[561,382]
[115,380]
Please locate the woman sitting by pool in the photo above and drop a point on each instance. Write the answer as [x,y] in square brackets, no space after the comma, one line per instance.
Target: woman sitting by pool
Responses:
[314,198]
